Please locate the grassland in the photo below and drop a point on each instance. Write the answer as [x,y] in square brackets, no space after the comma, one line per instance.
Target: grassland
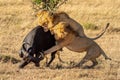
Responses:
[17,19]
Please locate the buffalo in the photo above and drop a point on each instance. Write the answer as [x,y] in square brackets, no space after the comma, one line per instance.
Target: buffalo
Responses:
[34,44]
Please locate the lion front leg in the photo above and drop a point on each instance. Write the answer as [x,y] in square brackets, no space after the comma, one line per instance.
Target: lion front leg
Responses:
[53,49]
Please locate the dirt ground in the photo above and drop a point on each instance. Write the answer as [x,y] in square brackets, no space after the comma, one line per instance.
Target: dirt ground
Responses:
[17,19]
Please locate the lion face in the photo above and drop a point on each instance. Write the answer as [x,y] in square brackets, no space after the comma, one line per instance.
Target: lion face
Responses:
[45,19]
[49,20]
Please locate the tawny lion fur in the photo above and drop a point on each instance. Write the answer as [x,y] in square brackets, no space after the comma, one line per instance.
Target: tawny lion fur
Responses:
[75,43]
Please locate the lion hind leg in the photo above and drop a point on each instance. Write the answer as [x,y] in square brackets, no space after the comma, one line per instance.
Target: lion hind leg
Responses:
[106,57]
[91,55]
[84,60]
[94,61]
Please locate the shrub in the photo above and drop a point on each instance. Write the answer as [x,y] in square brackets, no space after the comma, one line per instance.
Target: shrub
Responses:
[50,5]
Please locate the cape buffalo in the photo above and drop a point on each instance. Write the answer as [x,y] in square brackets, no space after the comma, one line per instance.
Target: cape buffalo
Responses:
[36,42]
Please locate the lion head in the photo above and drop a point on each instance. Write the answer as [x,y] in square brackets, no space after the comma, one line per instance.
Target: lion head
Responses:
[49,19]
[45,18]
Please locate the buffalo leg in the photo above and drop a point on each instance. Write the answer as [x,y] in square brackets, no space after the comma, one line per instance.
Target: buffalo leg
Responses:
[52,58]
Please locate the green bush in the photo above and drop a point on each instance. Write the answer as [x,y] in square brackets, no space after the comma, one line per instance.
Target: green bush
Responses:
[37,1]
[50,5]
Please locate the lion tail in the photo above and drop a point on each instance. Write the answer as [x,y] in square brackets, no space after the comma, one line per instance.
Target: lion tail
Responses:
[101,32]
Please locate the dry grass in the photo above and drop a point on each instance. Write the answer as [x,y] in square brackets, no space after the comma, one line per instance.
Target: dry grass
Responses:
[16,19]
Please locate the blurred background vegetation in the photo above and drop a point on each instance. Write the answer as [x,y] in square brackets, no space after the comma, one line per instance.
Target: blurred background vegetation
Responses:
[50,5]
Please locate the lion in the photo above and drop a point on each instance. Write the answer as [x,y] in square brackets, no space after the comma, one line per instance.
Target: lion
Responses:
[73,42]
[48,20]
[70,34]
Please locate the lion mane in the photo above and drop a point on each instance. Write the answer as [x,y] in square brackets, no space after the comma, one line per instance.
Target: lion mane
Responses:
[55,22]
